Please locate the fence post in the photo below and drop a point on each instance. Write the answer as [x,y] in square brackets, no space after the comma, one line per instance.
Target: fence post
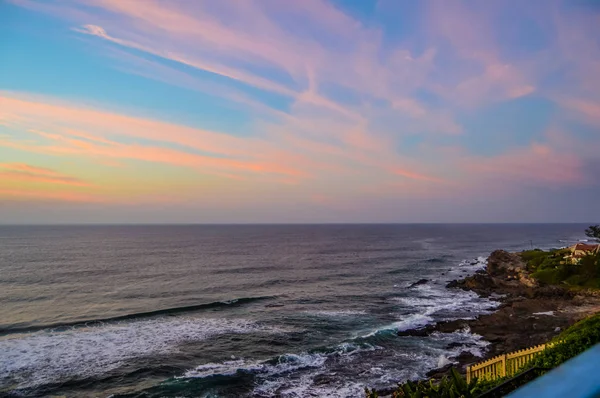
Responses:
[468,374]
[504,365]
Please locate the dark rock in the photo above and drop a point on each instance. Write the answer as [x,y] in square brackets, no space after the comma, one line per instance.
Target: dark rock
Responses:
[439,372]
[482,284]
[553,292]
[450,326]
[502,263]
[512,326]
[419,282]
[466,357]
[424,332]
[453,284]
[493,338]
[442,327]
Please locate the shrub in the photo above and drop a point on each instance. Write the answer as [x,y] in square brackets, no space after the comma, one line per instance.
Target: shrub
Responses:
[576,280]
[553,276]
[589,266]
[454,386]
[533,258]
[550,268]
[570,343]
[538,259]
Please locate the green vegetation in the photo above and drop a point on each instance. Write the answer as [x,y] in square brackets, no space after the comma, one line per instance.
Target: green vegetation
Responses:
[551,268]
[593,232]
[572,342]
[540,260]
[453,387]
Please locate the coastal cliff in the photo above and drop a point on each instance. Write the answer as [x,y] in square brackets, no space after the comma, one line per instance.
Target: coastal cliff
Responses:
[529,313]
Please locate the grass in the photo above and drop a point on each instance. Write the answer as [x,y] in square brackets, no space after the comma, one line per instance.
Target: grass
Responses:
[550,268]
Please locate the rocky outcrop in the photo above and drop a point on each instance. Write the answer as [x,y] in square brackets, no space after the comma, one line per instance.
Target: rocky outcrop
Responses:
[419,282]
[506,273]
[481,283]
[510,266]
[503,263]
[528,314]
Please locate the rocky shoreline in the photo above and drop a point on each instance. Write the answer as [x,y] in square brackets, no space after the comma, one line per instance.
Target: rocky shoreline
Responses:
[528,314]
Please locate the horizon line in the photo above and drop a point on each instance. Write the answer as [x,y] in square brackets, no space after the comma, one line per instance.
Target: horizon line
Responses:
[288,223]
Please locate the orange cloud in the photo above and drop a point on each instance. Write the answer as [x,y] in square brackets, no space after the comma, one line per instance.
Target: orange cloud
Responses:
[24,172]
[42,195]
[229,153]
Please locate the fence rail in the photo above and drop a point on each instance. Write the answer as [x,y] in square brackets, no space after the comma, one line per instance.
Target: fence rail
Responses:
[505,364]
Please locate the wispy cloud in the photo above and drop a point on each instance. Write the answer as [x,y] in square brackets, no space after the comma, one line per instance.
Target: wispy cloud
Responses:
[329,104]
[25,172]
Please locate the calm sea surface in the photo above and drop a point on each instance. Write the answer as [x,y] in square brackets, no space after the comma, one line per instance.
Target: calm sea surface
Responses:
[237,311]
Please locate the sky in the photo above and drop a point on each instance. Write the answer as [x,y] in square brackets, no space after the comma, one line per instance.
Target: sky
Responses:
[312,111]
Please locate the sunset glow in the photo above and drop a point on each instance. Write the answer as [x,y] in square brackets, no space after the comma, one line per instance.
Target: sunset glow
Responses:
[299,111]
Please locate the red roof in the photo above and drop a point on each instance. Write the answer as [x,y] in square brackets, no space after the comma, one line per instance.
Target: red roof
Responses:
[584,247]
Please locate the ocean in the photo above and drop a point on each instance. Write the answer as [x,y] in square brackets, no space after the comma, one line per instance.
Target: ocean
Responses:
[238,310]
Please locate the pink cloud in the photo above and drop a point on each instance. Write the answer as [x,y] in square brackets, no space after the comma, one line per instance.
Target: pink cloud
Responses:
[20,172]
[415,176]
[538,164]
[590,110]
[87,132]
[322,137]
[33,195]
[235,74]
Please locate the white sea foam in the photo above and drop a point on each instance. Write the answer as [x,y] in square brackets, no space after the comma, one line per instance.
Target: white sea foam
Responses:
[292,375]
[226,368]
[430,302]
[303,375]
[352,348]
[470,342]
[470,266]
[548,313]
[413,321]
[339,313]
[304,386]
[277,380]
[432,299]
[443,361]
[367,371]
[284,364]
[46,356]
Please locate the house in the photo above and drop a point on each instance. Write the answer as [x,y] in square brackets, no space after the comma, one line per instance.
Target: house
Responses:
[580,250]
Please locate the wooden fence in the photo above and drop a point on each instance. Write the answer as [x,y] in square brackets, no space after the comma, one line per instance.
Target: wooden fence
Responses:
[504,365]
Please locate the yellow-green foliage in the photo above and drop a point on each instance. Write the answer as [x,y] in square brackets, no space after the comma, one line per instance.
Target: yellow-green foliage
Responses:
[454,386]
[550,268]
[538,260]
[572,342]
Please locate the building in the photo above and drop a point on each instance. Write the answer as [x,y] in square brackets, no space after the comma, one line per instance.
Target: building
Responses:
[580,250]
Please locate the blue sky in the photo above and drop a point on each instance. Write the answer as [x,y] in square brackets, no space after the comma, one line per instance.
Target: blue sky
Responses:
[313,111]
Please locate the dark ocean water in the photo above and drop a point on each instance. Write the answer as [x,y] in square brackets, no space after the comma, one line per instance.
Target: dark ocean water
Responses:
[256,311]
